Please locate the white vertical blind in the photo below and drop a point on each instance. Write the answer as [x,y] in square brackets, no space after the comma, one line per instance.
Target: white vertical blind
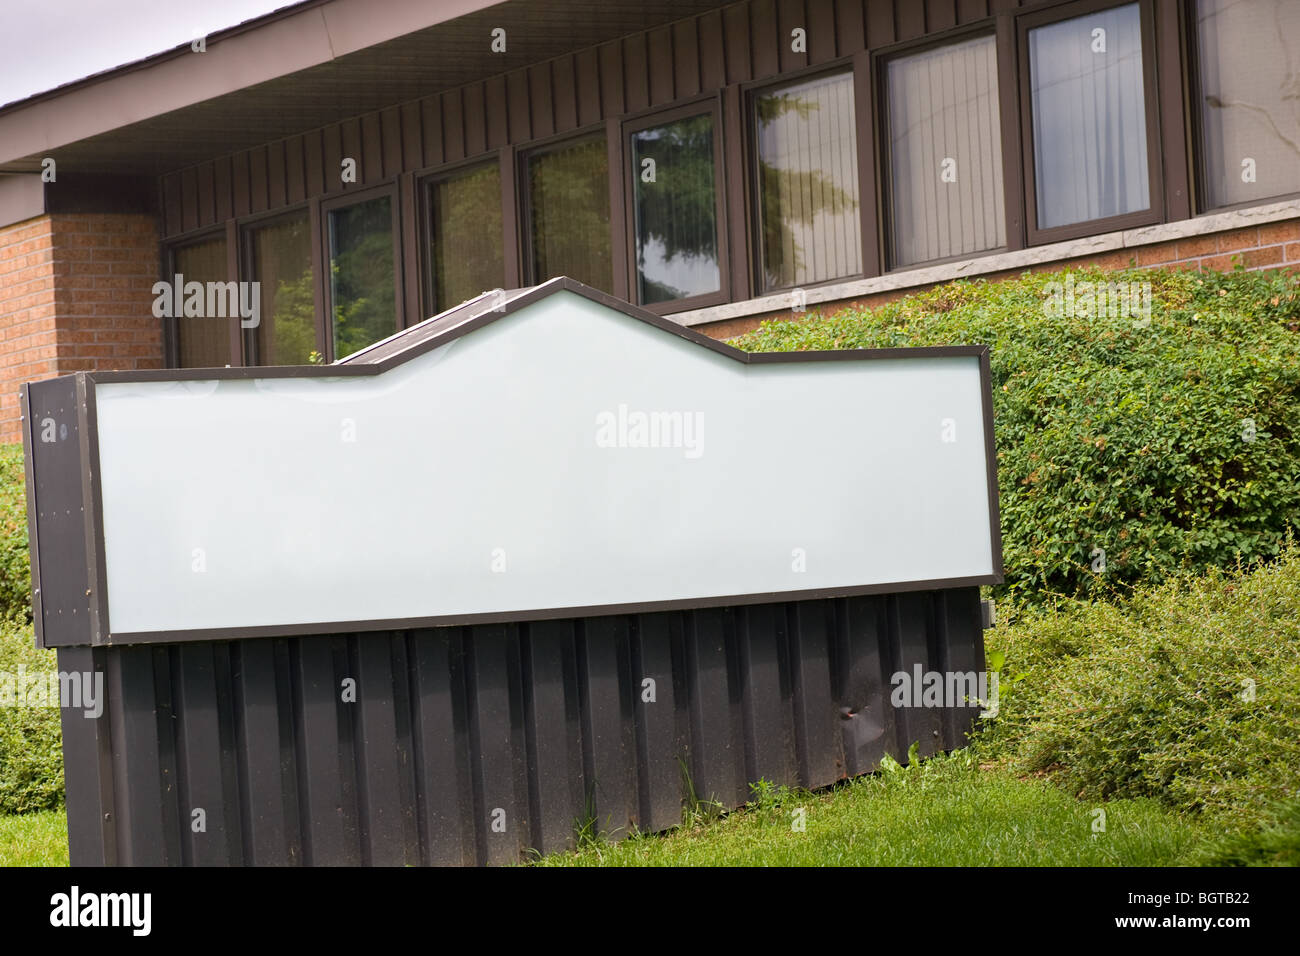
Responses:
[808,182]
[1089,117]
[943,118]
[204,341]
[568,197]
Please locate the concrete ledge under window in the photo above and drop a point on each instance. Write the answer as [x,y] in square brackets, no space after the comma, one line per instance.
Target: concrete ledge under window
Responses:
[999,262]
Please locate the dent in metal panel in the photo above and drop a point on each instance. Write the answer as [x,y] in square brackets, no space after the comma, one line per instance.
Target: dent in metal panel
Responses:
[864,660]
[912,620]
[818,741]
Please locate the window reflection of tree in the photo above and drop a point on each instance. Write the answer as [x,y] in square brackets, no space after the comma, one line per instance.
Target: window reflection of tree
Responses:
[568,191]
[361,275]
[792,196]
[677,211]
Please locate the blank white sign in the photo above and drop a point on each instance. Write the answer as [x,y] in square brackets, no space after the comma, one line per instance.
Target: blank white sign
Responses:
[506,472]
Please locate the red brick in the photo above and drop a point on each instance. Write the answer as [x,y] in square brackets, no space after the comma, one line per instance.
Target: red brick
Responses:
[1153,255]
[114,335]
[1220,263]
[138,351]
[1261,258]
[106,254]
[1238,239]
[1286,231]
[1199,246]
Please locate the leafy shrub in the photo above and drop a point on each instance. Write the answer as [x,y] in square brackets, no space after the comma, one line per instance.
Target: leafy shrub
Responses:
[1188,692]
[31,748]
[1274,843]
[1114,432]
[15,564]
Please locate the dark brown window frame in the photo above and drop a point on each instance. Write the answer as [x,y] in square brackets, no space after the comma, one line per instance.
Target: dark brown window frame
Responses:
[864,116]
[341,201]
[633,123]
[1008,140]
[171,325]
[523,206]
[425,180]
[247,224]
[1155,212]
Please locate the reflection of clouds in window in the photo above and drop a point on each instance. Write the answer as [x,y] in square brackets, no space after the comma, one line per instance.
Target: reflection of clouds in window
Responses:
[675,276]
[675,210]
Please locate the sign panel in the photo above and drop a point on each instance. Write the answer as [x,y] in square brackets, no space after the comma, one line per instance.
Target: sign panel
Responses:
[566,455]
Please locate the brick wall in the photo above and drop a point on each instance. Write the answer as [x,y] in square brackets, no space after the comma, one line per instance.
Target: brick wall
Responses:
[1272,245]
[28,343]
[75,296]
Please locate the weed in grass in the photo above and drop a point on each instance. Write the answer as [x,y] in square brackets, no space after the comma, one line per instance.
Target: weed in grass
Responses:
[697,811]
[586,828]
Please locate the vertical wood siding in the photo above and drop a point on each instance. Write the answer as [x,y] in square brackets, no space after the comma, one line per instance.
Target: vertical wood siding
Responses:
[736,44]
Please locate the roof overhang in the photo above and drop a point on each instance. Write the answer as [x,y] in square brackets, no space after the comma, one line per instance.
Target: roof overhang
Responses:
[298,69]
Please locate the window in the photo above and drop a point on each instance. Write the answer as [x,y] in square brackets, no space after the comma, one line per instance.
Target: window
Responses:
[945,153]
[674,168]
[363,277]
[810,228]
[202,341]
[465,235]
[1250,115]
[1090,116]
[568,213]
[280,261]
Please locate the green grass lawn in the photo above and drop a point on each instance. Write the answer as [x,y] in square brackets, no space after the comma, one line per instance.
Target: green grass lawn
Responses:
[946,812]
[34,839]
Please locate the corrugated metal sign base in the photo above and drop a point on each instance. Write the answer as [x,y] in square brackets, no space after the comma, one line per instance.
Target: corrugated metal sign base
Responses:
[472,745]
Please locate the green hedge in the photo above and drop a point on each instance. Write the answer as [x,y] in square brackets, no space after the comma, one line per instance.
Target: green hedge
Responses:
[15,563]
[31,755]
[1114,432]
[1188,692]
[31,751]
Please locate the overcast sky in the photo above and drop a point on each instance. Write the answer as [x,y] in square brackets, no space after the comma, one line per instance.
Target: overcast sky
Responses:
[46,43]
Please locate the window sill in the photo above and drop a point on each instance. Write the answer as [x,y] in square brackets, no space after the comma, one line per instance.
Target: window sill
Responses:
[1000,262]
